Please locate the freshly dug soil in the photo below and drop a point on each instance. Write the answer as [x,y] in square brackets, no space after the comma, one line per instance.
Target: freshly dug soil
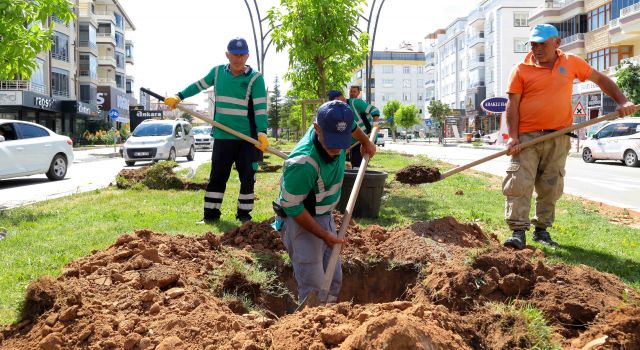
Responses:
[432,285]
[157,176]
[417,174]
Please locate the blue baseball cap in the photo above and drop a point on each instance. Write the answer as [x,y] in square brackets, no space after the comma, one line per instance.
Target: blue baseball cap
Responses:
[333,94]
[542,32]
[238,46]
[336,121]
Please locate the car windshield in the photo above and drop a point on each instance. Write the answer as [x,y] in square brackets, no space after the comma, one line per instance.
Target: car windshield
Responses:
[202,131]
[153,130]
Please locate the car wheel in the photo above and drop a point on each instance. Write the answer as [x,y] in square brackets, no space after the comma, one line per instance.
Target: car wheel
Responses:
[130,163]
[172,154]
[587,156]
[58,168]
[631,158]
[192,154]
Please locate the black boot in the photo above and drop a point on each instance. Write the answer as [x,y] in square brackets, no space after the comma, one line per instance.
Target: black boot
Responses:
[517,240]
[243,216]
[541,235]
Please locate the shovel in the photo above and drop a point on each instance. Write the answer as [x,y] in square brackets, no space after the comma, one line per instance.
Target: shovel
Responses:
[316,298]
[610,116]
[217,125]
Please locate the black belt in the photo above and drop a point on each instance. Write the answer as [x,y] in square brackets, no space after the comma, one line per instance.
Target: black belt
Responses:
[548,131]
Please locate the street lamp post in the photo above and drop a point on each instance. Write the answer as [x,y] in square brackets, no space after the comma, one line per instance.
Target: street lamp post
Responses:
[369,58]
[261,50]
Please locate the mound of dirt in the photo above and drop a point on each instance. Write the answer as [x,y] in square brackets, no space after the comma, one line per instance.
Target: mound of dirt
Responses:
[158,176]
[417,174]
[433,285]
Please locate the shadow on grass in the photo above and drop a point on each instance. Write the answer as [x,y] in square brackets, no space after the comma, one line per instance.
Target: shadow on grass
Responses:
[395,208]
[16,217]
[626,269]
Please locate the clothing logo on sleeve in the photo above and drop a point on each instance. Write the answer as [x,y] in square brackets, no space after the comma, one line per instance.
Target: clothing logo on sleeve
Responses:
[341,126]
[562,70]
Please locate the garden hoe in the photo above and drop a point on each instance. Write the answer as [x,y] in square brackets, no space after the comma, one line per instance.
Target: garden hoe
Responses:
[217,125]
[610,116]
[317,298]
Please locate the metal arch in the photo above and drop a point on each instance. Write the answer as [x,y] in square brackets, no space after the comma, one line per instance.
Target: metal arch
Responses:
[369,61]
[255,39]
[262,53]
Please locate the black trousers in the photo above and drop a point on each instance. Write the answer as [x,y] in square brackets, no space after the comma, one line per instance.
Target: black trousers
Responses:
[355,157]
[225,154]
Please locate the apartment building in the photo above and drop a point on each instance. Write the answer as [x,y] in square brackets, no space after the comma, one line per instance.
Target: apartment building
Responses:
[76,81]
[472,58]
[396,74]
[602,32]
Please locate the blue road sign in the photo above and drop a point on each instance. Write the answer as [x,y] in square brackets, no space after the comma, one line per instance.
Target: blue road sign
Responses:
[113,113]
[494,104]
[428,122]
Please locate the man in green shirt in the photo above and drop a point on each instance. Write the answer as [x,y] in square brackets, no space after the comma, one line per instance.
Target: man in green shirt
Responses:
[365,115]
[241,104]
[310,188]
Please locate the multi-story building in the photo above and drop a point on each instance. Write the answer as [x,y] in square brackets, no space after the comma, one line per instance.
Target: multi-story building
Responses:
[396,74]
[76,81]
[602,32]
[473,57]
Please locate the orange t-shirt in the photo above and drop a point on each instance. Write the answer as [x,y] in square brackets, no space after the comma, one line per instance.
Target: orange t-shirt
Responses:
[546,93]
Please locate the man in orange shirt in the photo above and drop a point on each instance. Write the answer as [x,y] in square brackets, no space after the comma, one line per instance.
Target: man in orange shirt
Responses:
[539,103]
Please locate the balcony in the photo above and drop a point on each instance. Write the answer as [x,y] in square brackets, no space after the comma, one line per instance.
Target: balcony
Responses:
[556,11]
[476,62]
[573,44]
[85,15]
[476,39]
[106,38]
[476,17]
[107,61]
[624,30]
[60,56]
[60,93]
[475,84]
[23,85]
[107,81]
[106,16]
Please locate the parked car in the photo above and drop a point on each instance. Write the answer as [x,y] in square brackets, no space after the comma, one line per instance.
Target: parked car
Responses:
[204,140]
[617,140]
[380,140]
[29,149]
[154,140]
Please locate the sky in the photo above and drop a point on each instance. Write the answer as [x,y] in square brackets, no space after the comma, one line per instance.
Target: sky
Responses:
[178,42]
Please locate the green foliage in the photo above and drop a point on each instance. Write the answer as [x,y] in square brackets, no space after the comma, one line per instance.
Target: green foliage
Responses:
[438,111]
[23,33]
[407,116]
[389,110]
[160,176]
[530,322]
[186,116]
[322,40]
[275,108]
[628,79]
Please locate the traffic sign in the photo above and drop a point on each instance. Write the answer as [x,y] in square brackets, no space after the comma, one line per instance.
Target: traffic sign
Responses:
[579,110]
[113,113]
[428,122]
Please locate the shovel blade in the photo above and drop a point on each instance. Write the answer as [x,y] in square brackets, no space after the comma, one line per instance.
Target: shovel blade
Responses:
[312,300]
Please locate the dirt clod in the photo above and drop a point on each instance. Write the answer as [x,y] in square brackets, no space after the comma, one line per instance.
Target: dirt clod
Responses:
[417,174]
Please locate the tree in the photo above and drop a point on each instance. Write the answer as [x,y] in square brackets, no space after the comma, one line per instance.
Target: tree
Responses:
[319,35]
[187,117]
[23,34]
[275,108]
[628,79]
[438,111]
[389,111]
[407,116]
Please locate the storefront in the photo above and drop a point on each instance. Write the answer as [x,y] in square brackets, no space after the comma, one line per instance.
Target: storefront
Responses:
[473,110]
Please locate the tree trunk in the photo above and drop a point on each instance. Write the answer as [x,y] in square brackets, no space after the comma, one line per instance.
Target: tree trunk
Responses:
[322,78]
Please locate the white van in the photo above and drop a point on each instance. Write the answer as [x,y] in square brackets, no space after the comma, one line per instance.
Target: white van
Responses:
[159,140]
[617,140]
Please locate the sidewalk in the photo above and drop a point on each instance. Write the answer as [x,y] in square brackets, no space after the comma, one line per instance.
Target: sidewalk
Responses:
[85,154]
[434,142]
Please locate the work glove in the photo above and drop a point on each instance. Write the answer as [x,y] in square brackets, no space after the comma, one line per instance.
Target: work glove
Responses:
[264,142]
[172,101]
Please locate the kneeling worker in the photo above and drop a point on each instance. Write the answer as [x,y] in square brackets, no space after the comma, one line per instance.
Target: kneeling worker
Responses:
[310,189]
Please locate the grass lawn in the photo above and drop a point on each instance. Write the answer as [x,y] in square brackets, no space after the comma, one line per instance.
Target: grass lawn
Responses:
[43,237]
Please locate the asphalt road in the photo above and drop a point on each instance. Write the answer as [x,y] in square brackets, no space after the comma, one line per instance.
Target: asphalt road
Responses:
[611,183]
[91,170]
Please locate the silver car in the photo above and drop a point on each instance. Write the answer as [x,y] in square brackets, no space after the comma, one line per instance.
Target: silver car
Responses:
[617,140]
[154,140]
[204,140]
[29,149]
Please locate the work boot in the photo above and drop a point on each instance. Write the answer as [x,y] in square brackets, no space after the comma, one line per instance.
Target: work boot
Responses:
[541,235]
[243,217]
[207,221]
[517,240]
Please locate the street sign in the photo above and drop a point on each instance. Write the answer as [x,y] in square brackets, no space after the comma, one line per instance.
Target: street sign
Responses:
[494,104]
[579,110]
[113,113]
[451,121]
[428,122]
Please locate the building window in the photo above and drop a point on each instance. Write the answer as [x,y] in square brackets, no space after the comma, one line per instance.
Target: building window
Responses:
[406,96]
[119,40]
[129,86]
[37,77]
[120,81]
[610,57]
[420,84]
[406,70]
[88,93]
[60,47]
[87,36]
[119,21]
[119,60]
[520,45]
[387,82]
[420,96]
[88,66]
[59,82]
[387,69]
[598,17]
[420,69]
[406,83]
[358,73]
[520,19]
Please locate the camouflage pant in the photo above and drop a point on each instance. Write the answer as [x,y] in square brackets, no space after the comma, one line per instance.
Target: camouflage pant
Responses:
[541,167]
